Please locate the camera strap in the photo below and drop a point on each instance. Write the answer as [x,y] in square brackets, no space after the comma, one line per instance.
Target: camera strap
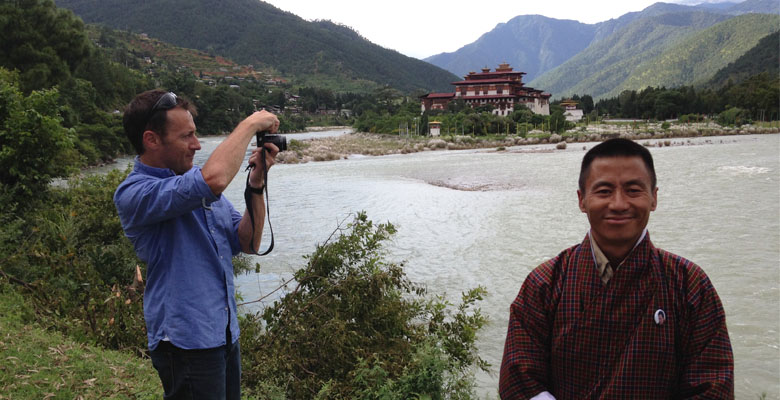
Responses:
[248,191]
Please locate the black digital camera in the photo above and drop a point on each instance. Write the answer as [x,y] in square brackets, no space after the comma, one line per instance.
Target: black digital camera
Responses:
[279,140]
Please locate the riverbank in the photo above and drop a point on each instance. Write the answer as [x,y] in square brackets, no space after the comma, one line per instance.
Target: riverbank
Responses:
[370,144]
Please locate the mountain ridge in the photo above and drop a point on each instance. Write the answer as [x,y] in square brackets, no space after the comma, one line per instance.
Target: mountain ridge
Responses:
[562,57]
[764,57]
[318,52]
[609,51]
[696,59]
[607,63]
[532,33]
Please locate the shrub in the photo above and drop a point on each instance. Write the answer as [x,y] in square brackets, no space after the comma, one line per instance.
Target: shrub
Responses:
[688,118]
[356,327]
[524,128]
[77,266]
[34,147]
[734,116]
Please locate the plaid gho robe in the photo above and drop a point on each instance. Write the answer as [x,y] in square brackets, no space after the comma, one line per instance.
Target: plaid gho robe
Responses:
[573,336]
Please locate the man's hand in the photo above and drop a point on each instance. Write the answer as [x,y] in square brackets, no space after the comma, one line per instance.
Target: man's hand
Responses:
[263,121]
[256,178]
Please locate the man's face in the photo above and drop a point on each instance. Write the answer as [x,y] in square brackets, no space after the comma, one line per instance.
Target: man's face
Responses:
[618,199]
[180,142]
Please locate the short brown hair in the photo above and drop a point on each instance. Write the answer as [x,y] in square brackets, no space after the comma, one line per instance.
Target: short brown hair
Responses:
[136,118]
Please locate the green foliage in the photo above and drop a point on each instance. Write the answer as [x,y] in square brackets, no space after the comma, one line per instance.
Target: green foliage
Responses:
[221,109]
[734,116]
[486,108]
[672,49]
[398,123]
[34,147]
[697,58]
[45,43]
[605,65]
[50,49]
[757,95]
[76,264]
[557,122]
[292,122]
[355,327]
[523,129]
[688,118]
[317,53]
[37,363]
[761,58]
[586,101]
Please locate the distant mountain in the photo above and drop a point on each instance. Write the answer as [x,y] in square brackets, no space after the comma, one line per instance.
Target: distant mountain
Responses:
[253,32]
[696,58]
[530,43]
[708,3]
[755,6]
[606,64]
[609,51]
[763,58]
[536,44]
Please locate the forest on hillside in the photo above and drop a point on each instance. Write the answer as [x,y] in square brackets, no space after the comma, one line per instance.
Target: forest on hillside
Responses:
[310,53]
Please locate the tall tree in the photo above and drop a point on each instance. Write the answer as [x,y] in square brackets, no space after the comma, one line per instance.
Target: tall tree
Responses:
[34,147]
[45,43]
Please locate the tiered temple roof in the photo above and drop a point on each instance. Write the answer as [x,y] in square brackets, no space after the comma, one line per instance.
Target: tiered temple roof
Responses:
[502,88]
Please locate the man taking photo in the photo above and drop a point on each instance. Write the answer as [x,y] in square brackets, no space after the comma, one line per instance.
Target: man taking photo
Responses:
[187,232]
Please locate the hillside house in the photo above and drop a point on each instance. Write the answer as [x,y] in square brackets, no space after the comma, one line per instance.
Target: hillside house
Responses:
[502,88]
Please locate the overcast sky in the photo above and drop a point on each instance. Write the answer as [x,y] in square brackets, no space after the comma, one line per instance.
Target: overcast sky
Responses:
[422,28]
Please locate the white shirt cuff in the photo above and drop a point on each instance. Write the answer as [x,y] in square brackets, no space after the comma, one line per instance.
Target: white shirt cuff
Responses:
[543,396]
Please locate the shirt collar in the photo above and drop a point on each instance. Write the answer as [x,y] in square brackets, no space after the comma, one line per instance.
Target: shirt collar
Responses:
[600,258]
[153,171]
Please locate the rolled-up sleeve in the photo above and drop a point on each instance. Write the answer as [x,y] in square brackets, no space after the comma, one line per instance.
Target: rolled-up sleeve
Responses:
[143,200]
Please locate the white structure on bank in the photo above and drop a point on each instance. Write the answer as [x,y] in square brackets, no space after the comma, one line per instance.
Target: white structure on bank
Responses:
[435,128]
[572,113]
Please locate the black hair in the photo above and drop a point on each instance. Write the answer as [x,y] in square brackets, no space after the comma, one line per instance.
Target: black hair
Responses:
[136,118]
[617,147]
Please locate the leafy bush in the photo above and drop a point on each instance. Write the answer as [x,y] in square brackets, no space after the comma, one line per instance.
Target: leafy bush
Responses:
[688,118]
[72,258]
[734,116]
[524,128]
[34,147]
[356,327]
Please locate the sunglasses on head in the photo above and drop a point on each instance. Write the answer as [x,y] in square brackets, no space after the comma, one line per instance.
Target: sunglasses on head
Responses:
[165,102]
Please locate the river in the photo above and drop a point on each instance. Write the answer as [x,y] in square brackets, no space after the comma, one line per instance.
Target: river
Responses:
[480,217]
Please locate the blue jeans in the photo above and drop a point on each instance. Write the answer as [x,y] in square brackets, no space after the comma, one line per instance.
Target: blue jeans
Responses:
[213,374]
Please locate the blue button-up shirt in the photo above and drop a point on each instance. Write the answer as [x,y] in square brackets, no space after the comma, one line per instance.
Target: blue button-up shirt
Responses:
[187,236]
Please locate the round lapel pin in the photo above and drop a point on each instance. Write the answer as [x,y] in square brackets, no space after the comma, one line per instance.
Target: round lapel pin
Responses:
[659,317]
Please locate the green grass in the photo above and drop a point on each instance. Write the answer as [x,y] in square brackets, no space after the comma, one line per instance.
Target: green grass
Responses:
[38,364]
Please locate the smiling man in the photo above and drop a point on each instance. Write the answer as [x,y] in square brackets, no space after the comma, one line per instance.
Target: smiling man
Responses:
[614,316]
[187,233]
